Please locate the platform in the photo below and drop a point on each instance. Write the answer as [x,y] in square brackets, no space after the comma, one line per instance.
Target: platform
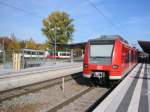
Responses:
[10,72]
[23,78]
[131,95]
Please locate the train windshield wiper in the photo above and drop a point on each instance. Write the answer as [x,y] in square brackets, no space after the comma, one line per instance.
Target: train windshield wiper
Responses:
[95,57]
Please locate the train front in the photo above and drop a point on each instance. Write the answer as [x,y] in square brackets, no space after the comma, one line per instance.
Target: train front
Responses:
[98,59]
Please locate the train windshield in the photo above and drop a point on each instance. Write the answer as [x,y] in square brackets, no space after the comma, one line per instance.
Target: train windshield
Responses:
[101,50]
[101,54]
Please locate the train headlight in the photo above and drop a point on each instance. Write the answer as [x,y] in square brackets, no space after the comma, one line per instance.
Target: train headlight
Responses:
[115,66]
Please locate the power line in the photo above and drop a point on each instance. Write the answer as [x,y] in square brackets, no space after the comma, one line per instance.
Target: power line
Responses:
[19,9]
[102,14]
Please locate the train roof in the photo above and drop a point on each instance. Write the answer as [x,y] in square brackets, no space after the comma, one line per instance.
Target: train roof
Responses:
[110,37]
[51,50]
[71,46]
[32,50]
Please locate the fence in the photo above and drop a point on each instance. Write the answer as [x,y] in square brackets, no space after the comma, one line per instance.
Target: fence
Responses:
[7,59]
[34,58]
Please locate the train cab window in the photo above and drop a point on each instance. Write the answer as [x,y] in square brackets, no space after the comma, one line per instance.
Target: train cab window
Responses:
[101,50]
[101,54]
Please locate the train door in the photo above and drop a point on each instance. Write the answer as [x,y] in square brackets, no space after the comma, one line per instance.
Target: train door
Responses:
[125,58]
[130,58]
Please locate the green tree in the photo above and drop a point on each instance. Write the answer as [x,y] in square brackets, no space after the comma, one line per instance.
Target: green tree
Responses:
[58,25]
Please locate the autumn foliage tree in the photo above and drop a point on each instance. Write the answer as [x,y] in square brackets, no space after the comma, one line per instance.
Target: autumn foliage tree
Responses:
[5,41]
[58,25]
[31,44]
[14,45]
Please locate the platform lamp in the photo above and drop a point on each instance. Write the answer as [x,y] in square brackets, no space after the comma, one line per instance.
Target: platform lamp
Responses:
[55,37]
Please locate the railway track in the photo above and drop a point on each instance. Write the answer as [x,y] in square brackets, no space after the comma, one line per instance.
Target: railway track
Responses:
[86,100]
[94,105]
[44,97]
[81,101]
[16,92]
[68,101]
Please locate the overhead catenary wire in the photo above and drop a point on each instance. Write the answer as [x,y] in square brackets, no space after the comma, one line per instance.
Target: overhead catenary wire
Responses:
[102,14]
[19,9]
[35,15]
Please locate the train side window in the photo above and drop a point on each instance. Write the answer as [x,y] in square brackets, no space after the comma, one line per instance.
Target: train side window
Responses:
[63,54]
[33,53]
[28,52]
[56,54]
[51,54]
[41,53]
[132,56]
[25,52]
[127,58]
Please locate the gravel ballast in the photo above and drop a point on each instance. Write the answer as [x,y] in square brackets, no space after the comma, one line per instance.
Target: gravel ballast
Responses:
[43,100]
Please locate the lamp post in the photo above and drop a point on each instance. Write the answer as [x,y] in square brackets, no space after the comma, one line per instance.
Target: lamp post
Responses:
[3,51]
[55,48]
[55,37]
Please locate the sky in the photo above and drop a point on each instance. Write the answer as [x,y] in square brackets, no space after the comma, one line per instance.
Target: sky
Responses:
[127,18]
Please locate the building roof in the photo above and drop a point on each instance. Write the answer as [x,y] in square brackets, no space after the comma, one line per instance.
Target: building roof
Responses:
[145,45]
[72,46]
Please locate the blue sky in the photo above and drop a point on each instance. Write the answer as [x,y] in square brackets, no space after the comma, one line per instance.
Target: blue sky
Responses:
[131,18]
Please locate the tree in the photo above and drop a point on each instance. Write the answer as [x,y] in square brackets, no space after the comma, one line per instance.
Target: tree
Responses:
[42,46]
[58,25]
[14,44]
[31,44]
[5,41]
[22,44]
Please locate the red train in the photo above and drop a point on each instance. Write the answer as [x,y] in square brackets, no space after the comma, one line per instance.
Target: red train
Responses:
[108,58]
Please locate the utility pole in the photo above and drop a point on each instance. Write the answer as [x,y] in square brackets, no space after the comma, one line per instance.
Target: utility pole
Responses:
[3,51]
[55,40]
[55,49]
[26,44]
[3,44]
